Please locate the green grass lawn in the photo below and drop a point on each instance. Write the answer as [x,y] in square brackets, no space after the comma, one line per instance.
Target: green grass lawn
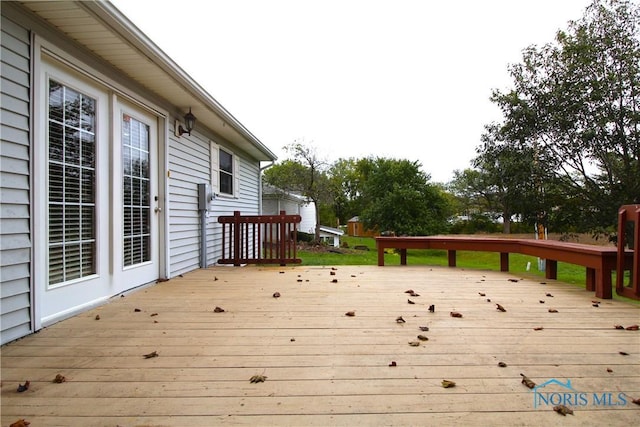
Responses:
[568,273]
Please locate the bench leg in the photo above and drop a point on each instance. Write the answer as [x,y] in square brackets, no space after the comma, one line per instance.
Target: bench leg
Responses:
[603,283]
[451,255]
[504,261]
[403,257]
[380,256]
[590,284]
[551,269]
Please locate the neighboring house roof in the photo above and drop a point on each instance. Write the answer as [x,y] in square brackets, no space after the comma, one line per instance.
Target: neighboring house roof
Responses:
[269,191]
[354,219]
[331,230]
[99,28]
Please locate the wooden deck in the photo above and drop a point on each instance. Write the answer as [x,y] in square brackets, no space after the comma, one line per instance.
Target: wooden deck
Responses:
[324,368]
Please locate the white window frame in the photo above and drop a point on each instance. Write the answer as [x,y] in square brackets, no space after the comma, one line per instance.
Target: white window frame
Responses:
[216,171]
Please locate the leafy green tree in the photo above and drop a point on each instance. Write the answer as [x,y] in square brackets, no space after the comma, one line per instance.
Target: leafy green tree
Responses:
[397,197]
[579,105]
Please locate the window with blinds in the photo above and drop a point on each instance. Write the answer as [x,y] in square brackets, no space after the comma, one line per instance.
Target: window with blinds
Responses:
[136,192]
[71,189]
[226,172]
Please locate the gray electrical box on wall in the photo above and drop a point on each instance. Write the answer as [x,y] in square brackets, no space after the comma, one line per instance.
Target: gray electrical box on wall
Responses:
[204,193]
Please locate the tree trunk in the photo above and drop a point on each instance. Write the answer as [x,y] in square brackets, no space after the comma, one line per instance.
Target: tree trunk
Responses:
[506,223]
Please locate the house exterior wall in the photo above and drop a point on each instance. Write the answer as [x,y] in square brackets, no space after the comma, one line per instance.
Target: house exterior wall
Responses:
[183,162]
[15,214]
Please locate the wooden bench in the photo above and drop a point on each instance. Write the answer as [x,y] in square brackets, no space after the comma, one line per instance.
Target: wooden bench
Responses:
[600,261]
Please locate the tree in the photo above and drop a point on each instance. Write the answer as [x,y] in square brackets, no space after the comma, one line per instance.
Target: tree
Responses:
[304,174]
[398,197]
[579,105]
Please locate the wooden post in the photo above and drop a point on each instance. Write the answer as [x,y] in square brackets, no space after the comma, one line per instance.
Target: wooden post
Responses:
[504,261]
[451,255]
[236,238]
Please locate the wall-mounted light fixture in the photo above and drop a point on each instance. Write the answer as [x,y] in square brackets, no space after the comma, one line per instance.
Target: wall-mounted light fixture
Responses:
[189,123]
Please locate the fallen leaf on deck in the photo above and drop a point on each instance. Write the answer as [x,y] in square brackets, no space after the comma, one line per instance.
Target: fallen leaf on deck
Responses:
[292,340]
[413,294]
[137,310]
[334,281]
[350,313]
[423,338]
[609,370]
[538,328]
[448,384]
[632,328]
[414,343]
[618,326]
[553,310]
[624,353]
[482,294]
[513,280]
[541,301]
[408,291]
[218,310]
[595,302]
[97,317]
[563,410]
[549,295]
[276,294]
[334,268]
[636,401]
[432,308]
[455,314]
[257,379]
[423,328]
[353,275]
[410,302]
[59,379]
[502,364]
[595,305]
[153,314]
[151,355]
[282,272]
[332,273]
[500,308]
[23,387]
[20,423]
[526,381]
[393,363]
[488,299]
[399,319]
[299,280]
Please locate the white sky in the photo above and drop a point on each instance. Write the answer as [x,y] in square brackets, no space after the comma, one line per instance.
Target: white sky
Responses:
[406,79]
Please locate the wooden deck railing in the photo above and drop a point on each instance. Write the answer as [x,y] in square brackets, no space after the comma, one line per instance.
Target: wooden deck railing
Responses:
[259,239]
[599,261]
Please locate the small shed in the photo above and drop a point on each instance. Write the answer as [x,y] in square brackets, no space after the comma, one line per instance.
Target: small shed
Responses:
[355,228]
[331,235]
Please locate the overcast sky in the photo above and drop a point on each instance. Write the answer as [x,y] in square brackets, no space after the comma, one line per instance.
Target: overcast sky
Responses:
[406,79]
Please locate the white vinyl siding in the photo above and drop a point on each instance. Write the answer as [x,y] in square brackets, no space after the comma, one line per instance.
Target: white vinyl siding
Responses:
[15,187]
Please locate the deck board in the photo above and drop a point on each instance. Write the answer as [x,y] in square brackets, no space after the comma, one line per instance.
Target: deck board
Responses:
[322,367]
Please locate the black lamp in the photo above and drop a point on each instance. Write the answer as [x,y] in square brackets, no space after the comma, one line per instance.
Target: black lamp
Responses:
[189,123]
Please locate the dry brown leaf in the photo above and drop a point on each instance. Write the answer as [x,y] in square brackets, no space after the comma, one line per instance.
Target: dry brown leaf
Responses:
[553,310]
[332,273]
[526,381]
[399,319]
[563,410]
[432,308]
[410,302]
[609,370]
[276,294]
[414,343]
[632,328]
[350,313]
[24,387]
[258,379]
[549,295]
[502,364]
[218,310]
[541,301]
[393,363]
[59,379]
[513,280]
[334,281]
[409,291]
[618,326]
[153,314]
[500,308]
[623,353]
[423,338]
[482,294]
[20,423]
[538,328]
[423,328]
[636,401]
[455,314]
[448,383]
[137,310]
[151,355]
[97,317]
